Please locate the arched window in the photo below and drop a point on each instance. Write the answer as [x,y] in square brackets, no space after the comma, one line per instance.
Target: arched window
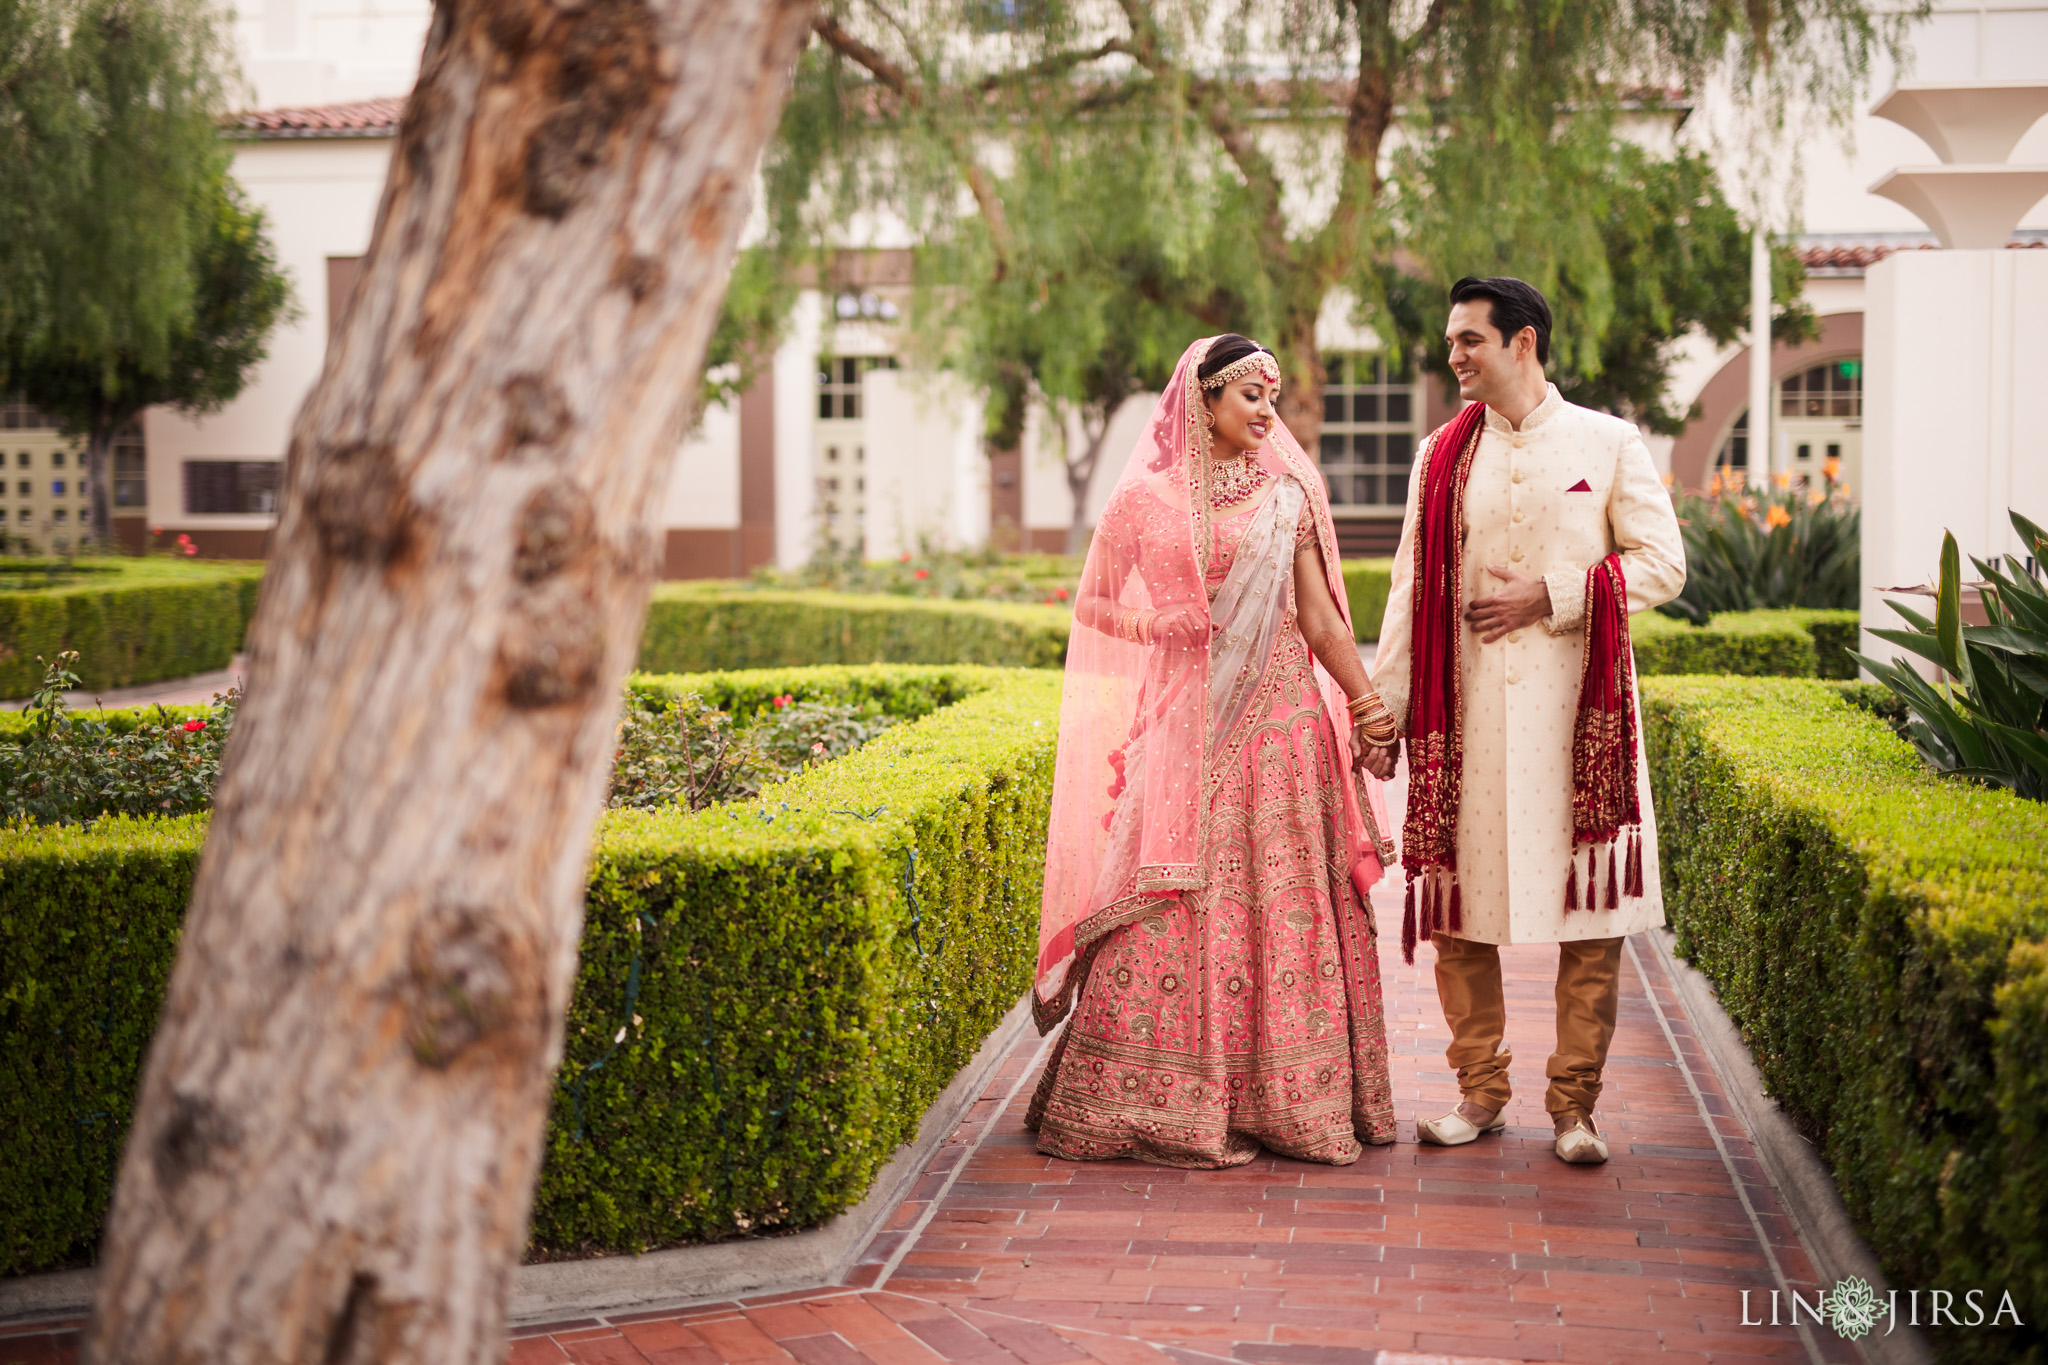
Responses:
[1832,390]
[1819,426]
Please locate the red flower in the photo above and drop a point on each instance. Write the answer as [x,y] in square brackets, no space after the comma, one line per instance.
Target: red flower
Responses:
[783,700]
[1060,593]
[905,559]
[195,726]
[922,573]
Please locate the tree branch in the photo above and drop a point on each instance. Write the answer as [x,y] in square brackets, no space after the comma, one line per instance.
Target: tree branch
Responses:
[1210,100]
[1054,65]
[894,78]
[860,54]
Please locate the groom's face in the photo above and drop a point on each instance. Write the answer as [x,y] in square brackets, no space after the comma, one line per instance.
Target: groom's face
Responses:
[1485,364]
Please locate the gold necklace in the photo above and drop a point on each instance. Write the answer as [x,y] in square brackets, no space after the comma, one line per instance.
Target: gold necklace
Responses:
[1234,479]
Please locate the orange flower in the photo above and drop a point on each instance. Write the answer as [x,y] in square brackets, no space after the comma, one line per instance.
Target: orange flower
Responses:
[1782,480]
[1777,516]
[1815,497]
[1831,470]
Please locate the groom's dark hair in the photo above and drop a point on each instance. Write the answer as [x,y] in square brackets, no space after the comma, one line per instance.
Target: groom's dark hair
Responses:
[1516,304]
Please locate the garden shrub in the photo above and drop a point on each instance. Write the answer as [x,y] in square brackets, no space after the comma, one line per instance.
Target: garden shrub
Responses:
[1784,643]
[1366,583]
[59,767]
[138,621]
[796,976]
[1877,932]
[701,627]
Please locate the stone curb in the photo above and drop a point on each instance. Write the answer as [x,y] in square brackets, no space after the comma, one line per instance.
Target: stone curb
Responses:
[679,1276]
[1790,1163]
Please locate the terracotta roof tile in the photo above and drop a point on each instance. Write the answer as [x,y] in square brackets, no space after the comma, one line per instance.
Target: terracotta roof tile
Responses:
[1863,255]
[362,118]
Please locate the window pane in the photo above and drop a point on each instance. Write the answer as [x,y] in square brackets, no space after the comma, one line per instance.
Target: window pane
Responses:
[1336,489]
[1332,448]
[1400,450]
[1844,405]
[1397,490]
[1365,489]
[849,405]
[1365,448]
[825,405]
[849,373]
[1333,407]
[1399,407]
[1365,407]
[1333,371]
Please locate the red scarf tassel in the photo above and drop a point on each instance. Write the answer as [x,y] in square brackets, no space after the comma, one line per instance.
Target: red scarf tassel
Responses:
[1408,926]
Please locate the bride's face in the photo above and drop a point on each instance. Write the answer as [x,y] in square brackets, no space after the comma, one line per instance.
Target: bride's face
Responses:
[1245,414]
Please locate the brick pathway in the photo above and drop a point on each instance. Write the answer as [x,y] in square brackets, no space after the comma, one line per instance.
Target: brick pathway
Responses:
[1493,1252]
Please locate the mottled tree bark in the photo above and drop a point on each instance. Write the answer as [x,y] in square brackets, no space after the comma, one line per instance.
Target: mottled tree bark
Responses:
[334,1149]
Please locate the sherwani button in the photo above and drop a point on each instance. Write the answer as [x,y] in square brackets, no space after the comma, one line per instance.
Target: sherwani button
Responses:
[1519,518]
[1516,556]
[1518,473]
[1514,637]
[1514,678]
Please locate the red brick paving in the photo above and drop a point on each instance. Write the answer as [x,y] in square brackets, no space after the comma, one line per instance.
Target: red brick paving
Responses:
[1493,1252]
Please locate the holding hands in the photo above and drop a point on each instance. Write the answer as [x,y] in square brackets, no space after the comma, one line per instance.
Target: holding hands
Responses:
[1375,739]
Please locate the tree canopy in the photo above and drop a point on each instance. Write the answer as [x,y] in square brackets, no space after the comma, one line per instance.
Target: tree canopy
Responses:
[1274,153]
[134,272]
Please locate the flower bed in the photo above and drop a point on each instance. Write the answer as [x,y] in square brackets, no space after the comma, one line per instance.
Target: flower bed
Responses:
[131,620]
[1791,642]
[1880,935]
[702,627]
[771,992]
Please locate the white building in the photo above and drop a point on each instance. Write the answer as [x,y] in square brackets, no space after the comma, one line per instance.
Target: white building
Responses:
[840,441]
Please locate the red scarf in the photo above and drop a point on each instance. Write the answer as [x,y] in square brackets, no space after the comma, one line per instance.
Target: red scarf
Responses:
[1603,735]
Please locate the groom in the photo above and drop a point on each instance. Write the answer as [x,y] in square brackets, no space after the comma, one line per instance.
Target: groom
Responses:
[1534,527]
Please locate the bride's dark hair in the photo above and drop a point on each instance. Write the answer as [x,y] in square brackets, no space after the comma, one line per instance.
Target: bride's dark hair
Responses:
[1227,349]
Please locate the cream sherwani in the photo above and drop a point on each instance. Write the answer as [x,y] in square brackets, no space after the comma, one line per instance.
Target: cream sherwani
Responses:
[1521,693]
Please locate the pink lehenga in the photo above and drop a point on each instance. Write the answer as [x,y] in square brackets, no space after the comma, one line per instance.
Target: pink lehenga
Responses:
[1205,917]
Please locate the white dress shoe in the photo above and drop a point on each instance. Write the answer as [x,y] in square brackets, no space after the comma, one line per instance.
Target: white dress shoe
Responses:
[1581,1145]
[1455,1130]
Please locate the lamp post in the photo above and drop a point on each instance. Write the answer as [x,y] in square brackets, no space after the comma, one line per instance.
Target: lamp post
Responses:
[1761,462]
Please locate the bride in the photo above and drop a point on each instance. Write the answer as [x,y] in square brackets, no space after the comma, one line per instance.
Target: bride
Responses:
[1205,920]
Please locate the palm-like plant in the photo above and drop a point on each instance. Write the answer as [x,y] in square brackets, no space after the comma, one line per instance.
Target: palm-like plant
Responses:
[1989,718]
[1793,546]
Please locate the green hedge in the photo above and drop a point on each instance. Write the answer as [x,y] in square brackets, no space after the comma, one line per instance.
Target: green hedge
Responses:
[1790,643]
[797,977]
[1877,932]
[131,620]
[1366,582]
[700,627]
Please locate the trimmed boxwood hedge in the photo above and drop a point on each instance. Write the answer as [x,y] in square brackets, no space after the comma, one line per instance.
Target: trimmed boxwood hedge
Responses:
[796,977]
[1366,583]
[701,627]
[1877,932]
[131,620]
[1789,643]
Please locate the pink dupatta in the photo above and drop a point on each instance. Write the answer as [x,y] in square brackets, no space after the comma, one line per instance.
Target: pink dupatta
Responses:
[1130,790]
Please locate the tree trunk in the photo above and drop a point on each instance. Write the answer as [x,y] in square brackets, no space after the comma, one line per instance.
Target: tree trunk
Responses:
[99,477]
[1302,377]
[1081,475]
[335,1144]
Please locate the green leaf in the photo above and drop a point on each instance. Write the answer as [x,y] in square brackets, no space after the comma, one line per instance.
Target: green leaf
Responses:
[1948,611]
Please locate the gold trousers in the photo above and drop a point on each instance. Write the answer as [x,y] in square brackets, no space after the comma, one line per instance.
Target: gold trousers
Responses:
[1588,995]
